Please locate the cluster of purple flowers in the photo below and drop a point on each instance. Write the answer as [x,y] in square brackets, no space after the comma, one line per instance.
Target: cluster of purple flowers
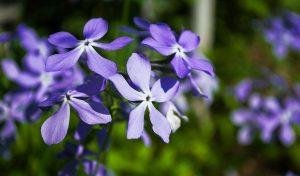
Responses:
[283,33]
[273,117]
[51,75]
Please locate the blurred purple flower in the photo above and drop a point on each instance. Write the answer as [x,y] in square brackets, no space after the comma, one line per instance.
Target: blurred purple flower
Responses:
[142,25]
[93,30]
[4,37]
[164,41]
[35,77]
[163,90]
[283,33]
[13,109]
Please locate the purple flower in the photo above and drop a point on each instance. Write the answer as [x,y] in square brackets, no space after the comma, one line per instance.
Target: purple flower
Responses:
[13,109]
[283,33]
[243,90]
[54,129]
[35,77]
[163,90]
[36,47]
[93,30]
[164,41]
[4,37]
[142,25]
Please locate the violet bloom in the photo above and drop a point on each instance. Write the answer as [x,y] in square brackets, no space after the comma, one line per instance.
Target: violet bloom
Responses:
[4,37]
[243,90]
[35,76]
[93,30]
[282,118]
[36,48]
[13,109]
[90,111]
[164,41]
[163,90]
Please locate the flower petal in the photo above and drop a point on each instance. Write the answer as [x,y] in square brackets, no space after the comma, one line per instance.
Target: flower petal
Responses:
[27,80]
[141,23]
[92,85]
[64,61]
[10,68]
[159,47]
[99,64]
[28,37]
[34,63]
[136,121]
[188,41]
[287,134]
[164,89]
[95,28]
[92,112]
[139,71]
[163,34]
[160,124]
[125,89]
[201,65]
[63,40]
[180,66]
[55,128]
[118,43]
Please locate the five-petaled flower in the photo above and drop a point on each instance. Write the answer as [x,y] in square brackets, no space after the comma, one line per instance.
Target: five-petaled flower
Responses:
[93,30]
[89,109]
[163,90]
[164,41]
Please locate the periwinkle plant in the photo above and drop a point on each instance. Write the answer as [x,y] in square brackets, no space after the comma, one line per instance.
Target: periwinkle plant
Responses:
[50,78]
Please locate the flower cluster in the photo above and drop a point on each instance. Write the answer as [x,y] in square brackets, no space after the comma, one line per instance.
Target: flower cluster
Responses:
[51,78]
[272,116]
[283,33]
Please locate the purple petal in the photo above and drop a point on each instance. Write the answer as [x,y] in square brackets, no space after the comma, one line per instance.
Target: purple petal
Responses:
[28,38]
[63,40]
[92,85]
[141,23]
[195,86]
[95,28]
[92,112]
[244,136]
[201,65]
[64,61]
[118,43]
[180,66]
[82,131]
[287,134]
[55,128]
[4,37]
[146,139]
[159,47]
[125,89]
[136,121]
[189,41]
[8,130]
[160,124]
[139,71]
[99,64]
[10,68]
[34,63]
[94,168]
[53,99]
[27,80]
[164,89]
[163,34]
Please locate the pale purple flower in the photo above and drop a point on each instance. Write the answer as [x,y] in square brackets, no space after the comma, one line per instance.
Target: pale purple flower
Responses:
[283,33]
[35,77]
[93,30]
[14,108]
[243,90]
[90,111]
[163,90]
[35,47]
[164,41]
[142,27]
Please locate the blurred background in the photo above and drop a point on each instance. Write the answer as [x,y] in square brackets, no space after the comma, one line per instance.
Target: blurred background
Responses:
[231,38]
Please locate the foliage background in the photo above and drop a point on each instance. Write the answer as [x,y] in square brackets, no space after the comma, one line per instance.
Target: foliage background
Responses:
[206,145]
